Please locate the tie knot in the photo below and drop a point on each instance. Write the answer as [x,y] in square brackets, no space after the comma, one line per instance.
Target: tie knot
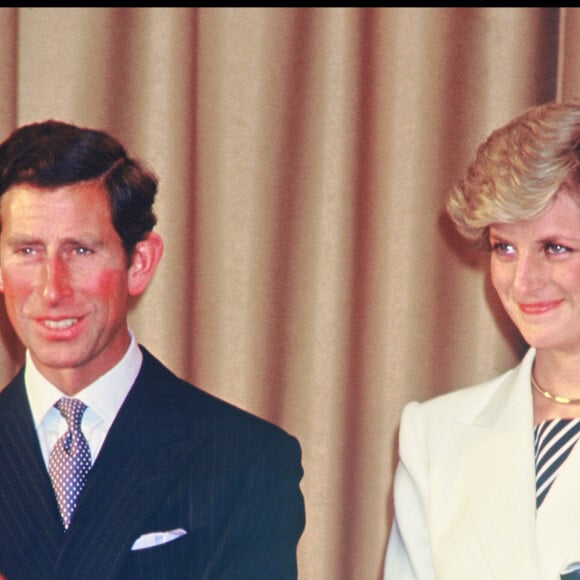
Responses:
[72,410]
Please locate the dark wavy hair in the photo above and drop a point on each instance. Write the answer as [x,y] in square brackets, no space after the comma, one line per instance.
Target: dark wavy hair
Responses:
[53,154]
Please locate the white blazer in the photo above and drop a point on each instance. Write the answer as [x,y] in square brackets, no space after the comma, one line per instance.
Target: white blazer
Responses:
[464,490]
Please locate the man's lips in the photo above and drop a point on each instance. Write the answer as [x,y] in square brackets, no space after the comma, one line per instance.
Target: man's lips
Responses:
[60,324]
[58,327]
[539,307]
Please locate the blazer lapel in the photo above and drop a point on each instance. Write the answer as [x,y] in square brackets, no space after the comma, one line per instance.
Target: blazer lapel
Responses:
[497,462]
[145,453]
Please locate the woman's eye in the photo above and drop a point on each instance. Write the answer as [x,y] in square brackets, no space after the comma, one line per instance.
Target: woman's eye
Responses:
[556,249]
[503,248]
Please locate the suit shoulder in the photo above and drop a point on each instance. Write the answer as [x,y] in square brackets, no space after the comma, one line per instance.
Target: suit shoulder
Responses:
[13,389]
[194,404]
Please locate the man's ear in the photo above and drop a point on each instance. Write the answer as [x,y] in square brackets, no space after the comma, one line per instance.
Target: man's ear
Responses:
[144,260]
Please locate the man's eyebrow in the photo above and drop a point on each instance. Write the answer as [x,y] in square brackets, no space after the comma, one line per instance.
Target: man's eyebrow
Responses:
[18,239]
[88,240]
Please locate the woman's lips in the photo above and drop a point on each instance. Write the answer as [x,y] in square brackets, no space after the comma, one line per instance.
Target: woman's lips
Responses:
[538,307]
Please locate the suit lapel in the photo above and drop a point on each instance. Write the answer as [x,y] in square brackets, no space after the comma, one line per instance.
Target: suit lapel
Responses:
[146,451]
[30,523]
[496,456]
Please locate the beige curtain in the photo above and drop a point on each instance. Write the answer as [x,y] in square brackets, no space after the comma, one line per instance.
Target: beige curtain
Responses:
[304,155]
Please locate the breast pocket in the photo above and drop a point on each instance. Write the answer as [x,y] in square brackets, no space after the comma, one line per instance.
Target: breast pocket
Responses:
[184,558]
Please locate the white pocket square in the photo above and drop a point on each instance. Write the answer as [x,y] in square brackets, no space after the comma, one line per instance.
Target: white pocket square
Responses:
[157,538]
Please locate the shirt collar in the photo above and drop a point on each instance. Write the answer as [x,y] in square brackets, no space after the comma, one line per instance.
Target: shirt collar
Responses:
[104,396]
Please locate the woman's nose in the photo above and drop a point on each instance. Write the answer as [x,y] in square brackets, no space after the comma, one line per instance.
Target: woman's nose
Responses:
[531,273]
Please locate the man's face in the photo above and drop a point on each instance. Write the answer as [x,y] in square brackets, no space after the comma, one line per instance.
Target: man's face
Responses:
[64,275]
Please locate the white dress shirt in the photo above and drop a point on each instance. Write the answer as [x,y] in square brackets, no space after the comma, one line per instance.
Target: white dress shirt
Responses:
[103,398]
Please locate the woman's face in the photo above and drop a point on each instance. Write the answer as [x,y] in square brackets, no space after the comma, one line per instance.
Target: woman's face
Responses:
[535,269]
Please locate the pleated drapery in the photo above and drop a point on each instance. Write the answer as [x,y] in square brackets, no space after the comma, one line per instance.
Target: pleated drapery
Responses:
[304,156]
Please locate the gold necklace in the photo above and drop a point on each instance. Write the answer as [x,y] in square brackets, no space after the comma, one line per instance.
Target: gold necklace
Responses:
[552,397]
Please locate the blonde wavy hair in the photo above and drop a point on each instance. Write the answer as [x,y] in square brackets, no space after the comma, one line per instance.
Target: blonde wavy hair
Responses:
[518,170]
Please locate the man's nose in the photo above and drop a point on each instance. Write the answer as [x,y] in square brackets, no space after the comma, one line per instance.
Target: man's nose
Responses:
[55,283]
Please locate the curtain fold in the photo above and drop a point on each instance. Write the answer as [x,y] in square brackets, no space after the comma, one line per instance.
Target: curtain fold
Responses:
[304,155]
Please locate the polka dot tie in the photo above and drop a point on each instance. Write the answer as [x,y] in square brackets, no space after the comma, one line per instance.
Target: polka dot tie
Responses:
[70,459]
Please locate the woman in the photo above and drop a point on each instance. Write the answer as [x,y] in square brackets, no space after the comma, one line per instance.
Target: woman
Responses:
[488,482]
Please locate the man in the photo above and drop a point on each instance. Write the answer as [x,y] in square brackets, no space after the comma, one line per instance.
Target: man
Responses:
[179,483]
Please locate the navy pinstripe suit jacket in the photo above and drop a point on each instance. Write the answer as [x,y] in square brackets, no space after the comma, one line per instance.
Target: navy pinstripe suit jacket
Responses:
[175,457]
